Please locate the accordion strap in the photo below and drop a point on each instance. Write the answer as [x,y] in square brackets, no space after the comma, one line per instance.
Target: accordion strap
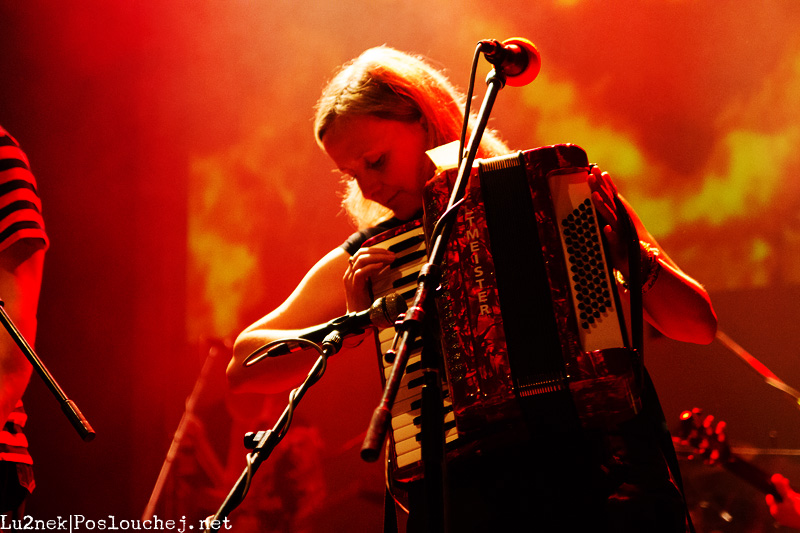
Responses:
[651,404]
[635,286]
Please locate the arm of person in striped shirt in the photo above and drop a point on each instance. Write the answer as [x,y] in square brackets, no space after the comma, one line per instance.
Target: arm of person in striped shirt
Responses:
[22,247]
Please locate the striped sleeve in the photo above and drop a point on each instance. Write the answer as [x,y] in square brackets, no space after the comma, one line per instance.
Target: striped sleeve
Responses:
[20,206]
[13,444]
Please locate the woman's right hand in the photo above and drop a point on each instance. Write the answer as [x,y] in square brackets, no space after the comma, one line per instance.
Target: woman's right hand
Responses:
[363,266]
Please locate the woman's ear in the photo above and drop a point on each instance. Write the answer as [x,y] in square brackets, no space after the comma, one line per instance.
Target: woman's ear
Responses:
[424,123]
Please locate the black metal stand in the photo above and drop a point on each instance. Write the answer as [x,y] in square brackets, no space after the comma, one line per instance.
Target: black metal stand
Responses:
[430,276]
[71,410]
[264,442]
[770,378]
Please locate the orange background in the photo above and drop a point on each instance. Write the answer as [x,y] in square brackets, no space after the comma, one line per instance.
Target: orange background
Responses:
[185,197]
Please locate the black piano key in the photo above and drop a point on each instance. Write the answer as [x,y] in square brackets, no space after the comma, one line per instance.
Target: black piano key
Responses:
[408,258]
[405,280]
[407,243]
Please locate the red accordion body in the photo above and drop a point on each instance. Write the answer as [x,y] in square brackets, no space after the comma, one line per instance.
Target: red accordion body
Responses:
[528,310]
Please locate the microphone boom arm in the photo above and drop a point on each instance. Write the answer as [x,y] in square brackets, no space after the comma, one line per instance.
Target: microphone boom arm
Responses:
[429,276]
[69,407]
[432,436]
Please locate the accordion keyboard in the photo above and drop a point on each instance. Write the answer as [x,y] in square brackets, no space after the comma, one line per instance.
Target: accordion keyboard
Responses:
[401,278]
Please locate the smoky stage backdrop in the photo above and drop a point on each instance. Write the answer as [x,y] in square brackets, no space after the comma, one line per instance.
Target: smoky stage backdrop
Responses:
[185,197]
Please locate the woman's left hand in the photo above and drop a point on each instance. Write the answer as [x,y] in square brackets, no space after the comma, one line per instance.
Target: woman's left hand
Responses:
[362,266]
[604,194]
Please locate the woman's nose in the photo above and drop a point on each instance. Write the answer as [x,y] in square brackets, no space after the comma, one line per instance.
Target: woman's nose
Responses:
[369,185]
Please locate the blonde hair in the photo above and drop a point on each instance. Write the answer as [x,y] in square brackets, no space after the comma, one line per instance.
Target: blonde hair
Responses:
[394,85]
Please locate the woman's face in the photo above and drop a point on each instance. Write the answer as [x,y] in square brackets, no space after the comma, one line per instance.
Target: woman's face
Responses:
[386,157]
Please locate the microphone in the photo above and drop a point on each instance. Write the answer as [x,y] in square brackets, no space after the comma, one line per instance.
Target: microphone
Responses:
[382,314]
[516,58]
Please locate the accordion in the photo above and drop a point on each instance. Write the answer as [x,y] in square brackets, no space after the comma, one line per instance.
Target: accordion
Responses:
[531,330]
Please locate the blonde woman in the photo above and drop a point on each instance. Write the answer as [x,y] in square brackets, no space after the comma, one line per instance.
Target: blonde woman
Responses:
[376,119]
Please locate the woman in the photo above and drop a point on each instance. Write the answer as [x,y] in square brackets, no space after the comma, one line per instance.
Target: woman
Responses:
[376,119]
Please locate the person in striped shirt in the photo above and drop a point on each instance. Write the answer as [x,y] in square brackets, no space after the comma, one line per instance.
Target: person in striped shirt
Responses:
[23,243]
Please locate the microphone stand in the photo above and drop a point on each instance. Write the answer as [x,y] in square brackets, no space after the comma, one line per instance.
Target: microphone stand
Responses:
[69,407]
[189,414]
[264,442]
[429,278]
[769,377]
